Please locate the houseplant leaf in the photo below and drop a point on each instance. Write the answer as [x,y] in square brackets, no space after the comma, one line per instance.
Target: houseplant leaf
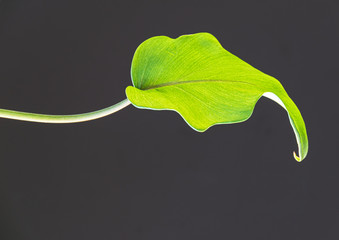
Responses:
[207,85]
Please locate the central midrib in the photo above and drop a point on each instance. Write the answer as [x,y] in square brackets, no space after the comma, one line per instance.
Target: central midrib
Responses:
[194,81]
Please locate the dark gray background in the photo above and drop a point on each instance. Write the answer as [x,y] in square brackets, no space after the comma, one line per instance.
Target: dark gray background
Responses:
[142,174]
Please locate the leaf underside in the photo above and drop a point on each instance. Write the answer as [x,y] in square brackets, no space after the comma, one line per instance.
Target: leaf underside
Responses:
[207,85]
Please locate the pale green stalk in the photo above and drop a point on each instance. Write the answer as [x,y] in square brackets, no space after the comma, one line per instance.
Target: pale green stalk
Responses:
[45,118]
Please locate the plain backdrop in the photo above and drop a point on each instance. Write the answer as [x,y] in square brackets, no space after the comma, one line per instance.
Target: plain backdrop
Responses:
[146,175]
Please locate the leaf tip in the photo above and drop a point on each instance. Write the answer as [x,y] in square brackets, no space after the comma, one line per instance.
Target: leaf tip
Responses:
[296,157]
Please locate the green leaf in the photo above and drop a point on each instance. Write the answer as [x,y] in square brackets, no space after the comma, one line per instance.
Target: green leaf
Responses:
[207,85]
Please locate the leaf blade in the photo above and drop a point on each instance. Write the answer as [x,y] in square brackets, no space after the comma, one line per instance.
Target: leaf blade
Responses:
[196,77]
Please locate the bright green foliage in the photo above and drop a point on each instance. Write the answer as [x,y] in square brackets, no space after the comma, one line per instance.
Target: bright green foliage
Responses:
[195,76]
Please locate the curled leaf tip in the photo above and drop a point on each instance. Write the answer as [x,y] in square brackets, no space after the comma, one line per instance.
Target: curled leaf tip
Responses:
[296,157]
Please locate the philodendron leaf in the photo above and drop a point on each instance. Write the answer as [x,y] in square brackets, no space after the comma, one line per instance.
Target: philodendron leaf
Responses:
[207,85]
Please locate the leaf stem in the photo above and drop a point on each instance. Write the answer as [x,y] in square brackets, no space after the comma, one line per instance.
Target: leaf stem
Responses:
[45,118]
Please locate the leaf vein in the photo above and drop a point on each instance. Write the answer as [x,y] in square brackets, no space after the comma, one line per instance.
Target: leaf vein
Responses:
[194,81]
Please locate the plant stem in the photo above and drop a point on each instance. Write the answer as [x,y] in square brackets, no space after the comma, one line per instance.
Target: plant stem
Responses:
[44,118]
